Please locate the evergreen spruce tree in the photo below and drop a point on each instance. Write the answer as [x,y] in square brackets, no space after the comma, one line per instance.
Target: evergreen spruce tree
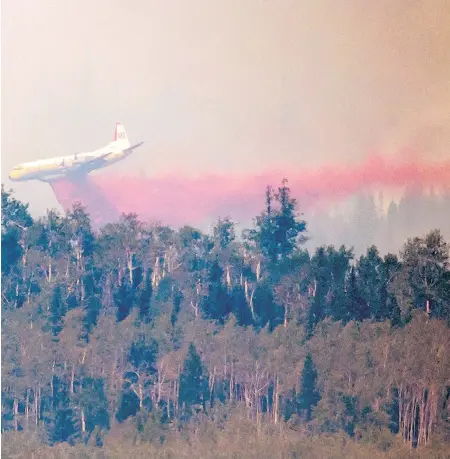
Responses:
[240,307]
[94,403]
[358,309]
[63,428]
[193,382]
[322,281]
[394,314]
[370,282]
[58,310]
[314,316]
[309,396]
[223,233]
[216,305]
[267,311]
[145,299]
[176,305]
[278,231]
[124,298]
[92,305]
[288,228]
[389,308]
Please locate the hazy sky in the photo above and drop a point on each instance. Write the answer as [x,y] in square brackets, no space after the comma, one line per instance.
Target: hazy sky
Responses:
[223,85]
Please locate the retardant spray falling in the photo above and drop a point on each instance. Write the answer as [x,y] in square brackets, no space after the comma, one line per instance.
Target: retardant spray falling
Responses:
[86,192]
[177,200]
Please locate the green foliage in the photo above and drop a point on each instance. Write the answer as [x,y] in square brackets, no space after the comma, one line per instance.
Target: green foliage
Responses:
[217,304]
[223,233]
[58,310]
[14,213]
[193,383]
[162,339]
[124,297]
[146,312]
[177,299]
[309,396]
[278,232]
[240,307]
[426,261]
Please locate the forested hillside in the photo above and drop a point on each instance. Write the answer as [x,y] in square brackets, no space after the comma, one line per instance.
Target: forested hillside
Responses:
[145,341]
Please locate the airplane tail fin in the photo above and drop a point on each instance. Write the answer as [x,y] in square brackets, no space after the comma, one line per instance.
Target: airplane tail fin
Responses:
[120,136]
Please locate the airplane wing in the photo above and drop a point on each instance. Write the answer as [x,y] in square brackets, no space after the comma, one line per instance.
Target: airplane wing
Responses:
[95,162]
[91,164]
[127,150]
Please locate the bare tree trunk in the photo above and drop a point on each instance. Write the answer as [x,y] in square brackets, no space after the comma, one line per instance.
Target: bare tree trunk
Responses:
[72,379]
[155,276]
[194,306]
[130,266]
[17,294]
[231,381]
[432,406]
[177,387]
[27,408]
[249,298]
[16,414]
[160,383]
[141,395]
[51,382]
[421,433]
[212,377]
[83,421]
[36,403]
[247,400]
[164,265]
[258,413]
[228,277]
[276,401]
[29,298]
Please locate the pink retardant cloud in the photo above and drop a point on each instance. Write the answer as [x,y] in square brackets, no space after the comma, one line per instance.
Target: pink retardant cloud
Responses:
[175,200]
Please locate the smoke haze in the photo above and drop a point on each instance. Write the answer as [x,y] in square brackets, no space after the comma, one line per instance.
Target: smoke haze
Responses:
[178,200]
[225,89]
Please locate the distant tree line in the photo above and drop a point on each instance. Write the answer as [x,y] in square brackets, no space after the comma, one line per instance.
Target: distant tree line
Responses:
[150,329]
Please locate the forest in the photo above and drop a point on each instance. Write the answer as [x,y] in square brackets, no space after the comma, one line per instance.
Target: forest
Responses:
[141,340]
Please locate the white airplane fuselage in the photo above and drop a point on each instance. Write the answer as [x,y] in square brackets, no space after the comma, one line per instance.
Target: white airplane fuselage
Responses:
[79,163]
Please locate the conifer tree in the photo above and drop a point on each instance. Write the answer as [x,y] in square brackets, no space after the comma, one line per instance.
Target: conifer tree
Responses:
[193,382]
[176,305]
[145,299]
[309,396]
[240,307]
[358,309]
[92,304]
[223,233]
[216,305]
[278,231]
[124,299]
[58,310]
[370,282]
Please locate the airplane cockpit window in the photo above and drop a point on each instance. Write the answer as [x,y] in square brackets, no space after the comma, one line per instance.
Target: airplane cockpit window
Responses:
[18,168]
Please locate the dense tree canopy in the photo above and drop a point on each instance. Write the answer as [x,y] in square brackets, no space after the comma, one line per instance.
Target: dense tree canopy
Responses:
[146,333]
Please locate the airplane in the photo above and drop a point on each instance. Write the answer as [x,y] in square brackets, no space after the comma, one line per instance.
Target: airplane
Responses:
[47,170]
